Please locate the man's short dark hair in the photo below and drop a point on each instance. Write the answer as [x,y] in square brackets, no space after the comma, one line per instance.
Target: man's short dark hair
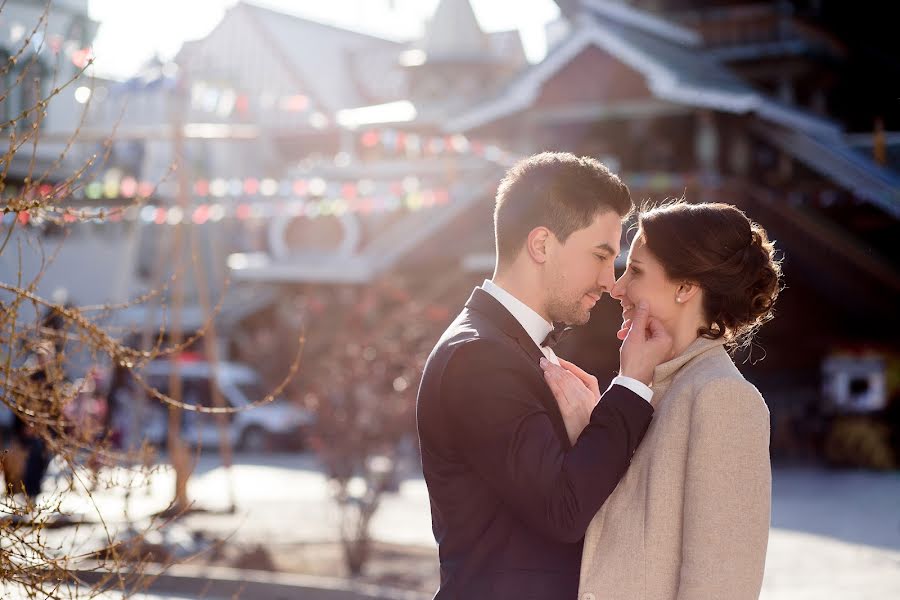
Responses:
[557,190]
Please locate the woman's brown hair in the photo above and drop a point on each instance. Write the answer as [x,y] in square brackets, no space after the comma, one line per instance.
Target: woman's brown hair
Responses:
[729,256]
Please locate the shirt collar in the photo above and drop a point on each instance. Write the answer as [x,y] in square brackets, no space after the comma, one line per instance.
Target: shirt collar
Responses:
[533,323]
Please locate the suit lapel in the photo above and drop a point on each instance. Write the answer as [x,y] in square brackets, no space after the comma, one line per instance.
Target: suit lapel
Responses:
[496,313]
[491,308]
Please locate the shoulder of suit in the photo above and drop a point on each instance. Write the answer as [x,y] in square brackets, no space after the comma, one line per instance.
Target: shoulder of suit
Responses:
[464,327]
[473,346]
[473,359]
[718,382]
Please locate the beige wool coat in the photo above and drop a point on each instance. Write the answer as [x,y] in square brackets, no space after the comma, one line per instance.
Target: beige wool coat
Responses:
[690,519]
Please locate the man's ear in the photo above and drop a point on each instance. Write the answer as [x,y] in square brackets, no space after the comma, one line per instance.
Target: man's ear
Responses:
[536,244]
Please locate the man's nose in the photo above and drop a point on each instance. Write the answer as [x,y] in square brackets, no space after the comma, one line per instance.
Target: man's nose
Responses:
[607,280]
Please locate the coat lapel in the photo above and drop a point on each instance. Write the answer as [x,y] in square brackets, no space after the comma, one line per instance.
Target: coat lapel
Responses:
[496,313]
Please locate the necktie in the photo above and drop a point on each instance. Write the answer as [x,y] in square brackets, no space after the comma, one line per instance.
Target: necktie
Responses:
[556,335]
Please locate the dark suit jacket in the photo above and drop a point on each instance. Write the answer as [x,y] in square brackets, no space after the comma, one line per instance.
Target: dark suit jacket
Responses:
[511,499]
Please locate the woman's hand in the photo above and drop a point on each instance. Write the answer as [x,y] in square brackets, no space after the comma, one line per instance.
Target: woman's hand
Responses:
[576,393]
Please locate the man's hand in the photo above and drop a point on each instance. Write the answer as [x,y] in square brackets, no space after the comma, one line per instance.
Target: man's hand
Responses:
[645,345]
[576,393]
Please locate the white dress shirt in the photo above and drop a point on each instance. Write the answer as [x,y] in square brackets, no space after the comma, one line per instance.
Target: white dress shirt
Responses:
[538,328]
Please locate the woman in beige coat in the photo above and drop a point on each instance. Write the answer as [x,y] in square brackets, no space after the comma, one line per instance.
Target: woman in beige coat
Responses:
[690,518]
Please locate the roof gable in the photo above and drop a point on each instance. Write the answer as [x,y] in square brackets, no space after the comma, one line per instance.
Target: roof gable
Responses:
[590,77]
[672,72]
[453,32]
[323,56]
[238,53]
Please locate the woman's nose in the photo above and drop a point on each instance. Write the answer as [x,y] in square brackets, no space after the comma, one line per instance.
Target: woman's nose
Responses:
[618,289]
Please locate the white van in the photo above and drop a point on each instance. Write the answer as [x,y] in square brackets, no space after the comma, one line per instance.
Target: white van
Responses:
[272,425]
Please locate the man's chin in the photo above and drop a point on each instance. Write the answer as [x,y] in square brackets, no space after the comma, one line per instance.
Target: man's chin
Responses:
[579,319]
[574,317]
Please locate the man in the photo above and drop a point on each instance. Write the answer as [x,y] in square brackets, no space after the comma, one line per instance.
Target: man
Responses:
[511,496]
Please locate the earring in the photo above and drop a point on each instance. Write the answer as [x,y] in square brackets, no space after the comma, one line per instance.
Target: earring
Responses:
[678,299]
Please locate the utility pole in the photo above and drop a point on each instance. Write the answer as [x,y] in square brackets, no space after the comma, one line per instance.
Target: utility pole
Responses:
[179,451]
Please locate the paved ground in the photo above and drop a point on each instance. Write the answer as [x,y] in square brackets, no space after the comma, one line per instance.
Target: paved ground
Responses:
[13,594]
[835,535]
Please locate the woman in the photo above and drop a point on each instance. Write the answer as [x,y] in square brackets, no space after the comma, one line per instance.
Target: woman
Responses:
[690,518]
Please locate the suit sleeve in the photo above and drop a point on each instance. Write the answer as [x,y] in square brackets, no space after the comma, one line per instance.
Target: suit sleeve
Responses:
[728,494]
[506,435]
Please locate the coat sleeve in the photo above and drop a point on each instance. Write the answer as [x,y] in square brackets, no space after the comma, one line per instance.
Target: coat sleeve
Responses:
[505,434]
[728,494]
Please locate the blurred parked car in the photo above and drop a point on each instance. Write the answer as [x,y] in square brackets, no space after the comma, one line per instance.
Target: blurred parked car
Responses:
[269,426]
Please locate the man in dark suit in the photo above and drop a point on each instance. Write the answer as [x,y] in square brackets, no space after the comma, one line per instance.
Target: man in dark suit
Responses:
[512,492]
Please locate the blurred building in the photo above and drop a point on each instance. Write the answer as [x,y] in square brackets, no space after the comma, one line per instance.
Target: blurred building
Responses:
[726,103]
[50,47]
[42,48]
[321,158]
[731,103]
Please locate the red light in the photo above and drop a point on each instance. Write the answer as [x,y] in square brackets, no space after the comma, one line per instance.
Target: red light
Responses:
[81,57]
[129,187]
[201,214]
[370,139]
[145,189]
[297,103]
[242,104]
[201,188]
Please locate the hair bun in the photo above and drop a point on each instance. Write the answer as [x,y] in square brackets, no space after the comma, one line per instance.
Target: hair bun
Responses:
[708,244]
[763,274]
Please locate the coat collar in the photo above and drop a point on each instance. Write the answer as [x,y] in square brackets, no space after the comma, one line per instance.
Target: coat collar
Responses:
[697,348]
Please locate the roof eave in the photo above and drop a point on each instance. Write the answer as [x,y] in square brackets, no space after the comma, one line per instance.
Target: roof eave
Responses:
[664,85]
